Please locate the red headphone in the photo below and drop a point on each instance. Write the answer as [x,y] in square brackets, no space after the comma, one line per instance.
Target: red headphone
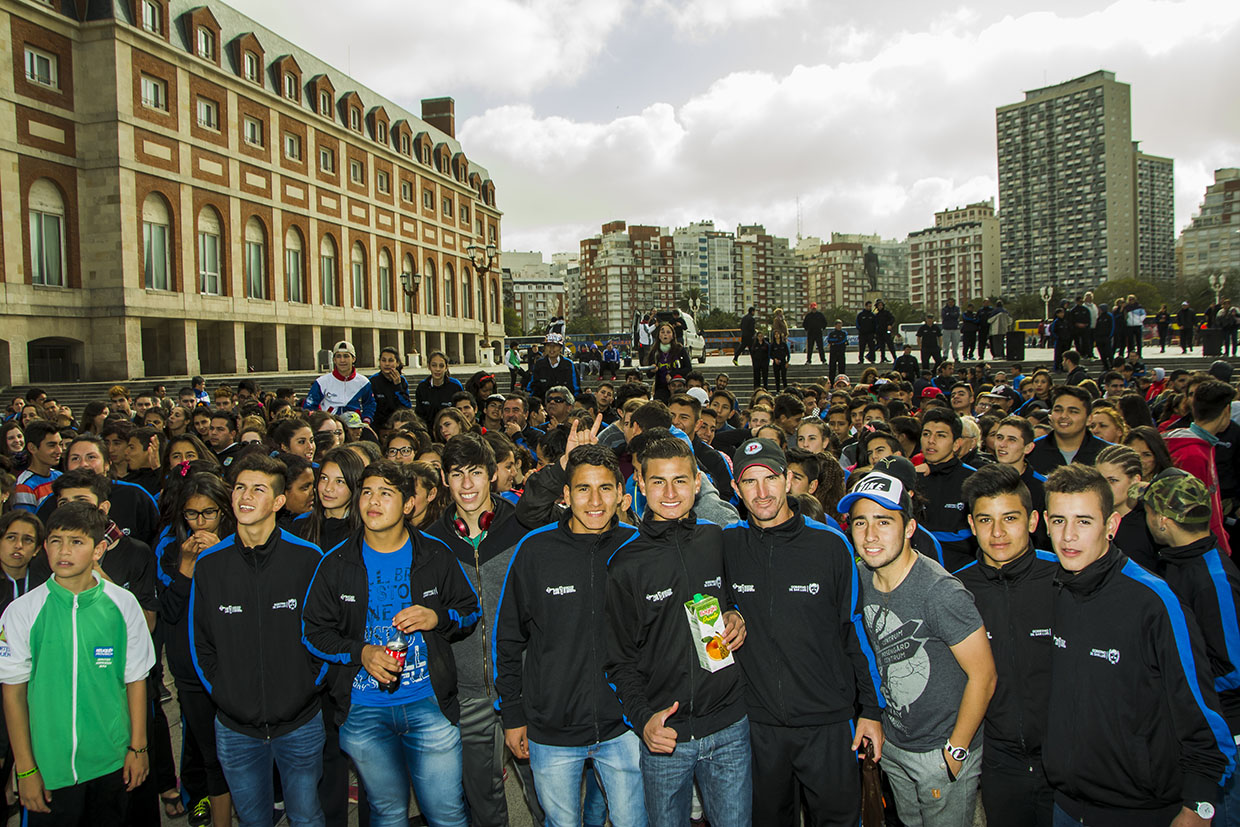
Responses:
[484,523]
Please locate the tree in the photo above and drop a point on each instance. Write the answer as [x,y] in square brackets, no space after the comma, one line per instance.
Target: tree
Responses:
[585,324]
[719,320]
[1147,294]
[512,322]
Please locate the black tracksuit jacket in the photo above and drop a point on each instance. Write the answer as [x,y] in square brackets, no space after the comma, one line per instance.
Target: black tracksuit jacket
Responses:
[806,659]
[650,652]
[945,516]
[390,397]
[245,610]
[544,377]
[551,637]
[1045,456]
[1016,603]
[1134,729]
[1208,582]
[429,398]
[335,616]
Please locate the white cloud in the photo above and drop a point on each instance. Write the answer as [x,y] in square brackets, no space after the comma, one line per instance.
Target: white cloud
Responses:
[701,17]
[876,139]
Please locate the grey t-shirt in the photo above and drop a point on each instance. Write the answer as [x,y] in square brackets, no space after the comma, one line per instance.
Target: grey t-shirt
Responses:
[911,630]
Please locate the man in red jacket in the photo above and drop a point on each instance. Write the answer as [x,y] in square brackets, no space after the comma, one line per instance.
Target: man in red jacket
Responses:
[1192,448]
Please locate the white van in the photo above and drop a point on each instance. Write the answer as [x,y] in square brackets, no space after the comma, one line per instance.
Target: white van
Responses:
[686,328]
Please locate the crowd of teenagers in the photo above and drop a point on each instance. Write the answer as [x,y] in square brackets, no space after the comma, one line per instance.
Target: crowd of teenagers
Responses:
[650,603]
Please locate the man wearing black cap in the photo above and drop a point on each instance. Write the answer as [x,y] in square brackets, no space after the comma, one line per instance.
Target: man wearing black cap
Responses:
[937,670]
[809,666]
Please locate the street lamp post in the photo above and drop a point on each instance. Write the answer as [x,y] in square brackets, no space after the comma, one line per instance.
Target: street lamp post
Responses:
[484,260]
[1217,282]
[1046,293]
[409,283]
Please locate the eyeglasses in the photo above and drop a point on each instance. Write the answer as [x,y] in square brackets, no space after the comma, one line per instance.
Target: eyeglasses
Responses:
[333,431]
[407,451]
[193,516]
[558,399]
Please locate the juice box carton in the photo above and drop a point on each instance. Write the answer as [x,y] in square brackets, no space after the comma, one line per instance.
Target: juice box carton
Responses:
[706,626]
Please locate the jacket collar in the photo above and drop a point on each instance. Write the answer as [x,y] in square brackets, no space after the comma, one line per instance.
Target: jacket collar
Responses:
[342,377]
[614,533]
[1086,583]
[1191,551]
[350,551]
[789,527]
[945,467]
[665,529]
[1013,572]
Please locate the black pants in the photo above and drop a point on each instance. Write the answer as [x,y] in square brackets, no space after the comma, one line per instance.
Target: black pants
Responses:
[334,782]
[1105,349]
[865,347]
[1015,794]
[100,802]
[760,373]
[813,340]
[201,774]
[837,362]
[745,344]
[781,376]
[1164,334]
[1135,336]
[997,345]
[1084,341]
[928,354]
[886,344]
[814,762]
[1061,346]
[1186,338]
[609,369]
[968,342]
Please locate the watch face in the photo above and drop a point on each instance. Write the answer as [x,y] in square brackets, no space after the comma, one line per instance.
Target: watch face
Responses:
[1205,809]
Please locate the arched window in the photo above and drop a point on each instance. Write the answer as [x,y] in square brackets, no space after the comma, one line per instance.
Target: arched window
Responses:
[358,262]
[467,295]
[156,238]
[407,266]
[449,290]
[327,271]
[385,280]
[432,288]
[255,259]
[47,234]
[210,231]
[494,309]
[294,272]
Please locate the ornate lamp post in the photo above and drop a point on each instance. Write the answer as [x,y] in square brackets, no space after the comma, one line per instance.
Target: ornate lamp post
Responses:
[1046,293]
[1217,282]
[484,259]
[409,283]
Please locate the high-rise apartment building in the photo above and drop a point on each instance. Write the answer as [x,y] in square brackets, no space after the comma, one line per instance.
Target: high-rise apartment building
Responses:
[957,258]
[1211,243]
[568,267]
[537,289]
[184,192]
[627,270]
[1155,216]
[1068,188]
[834,274]
[767,274]
[704,261]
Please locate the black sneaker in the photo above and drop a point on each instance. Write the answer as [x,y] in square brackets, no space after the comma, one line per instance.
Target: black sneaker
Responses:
[165,694]
[277,814]
[200,815]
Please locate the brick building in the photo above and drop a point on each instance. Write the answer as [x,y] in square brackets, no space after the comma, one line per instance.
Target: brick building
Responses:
[186,192]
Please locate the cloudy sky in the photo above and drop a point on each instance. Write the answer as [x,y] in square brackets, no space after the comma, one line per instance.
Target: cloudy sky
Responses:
[870,115]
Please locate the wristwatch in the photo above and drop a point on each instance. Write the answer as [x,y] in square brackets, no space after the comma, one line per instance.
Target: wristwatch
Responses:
[959,753]
[1203,809]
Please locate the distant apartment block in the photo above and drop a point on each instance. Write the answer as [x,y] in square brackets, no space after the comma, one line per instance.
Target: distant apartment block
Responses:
[704,260]
[1155,216]
[767,274]
[537,289]
[957,258]
[1211,243]
[627,270]
[1068,188]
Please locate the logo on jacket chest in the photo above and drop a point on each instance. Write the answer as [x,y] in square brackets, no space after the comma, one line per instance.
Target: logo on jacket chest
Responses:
[808,588]
[1111,656]
[560,591]
[953,506]
[104,656]
[659,596]
[742,588]
[717,583]
[290,604]
[230,610]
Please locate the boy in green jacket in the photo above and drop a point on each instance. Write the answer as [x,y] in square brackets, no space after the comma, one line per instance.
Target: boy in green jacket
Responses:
[81,640]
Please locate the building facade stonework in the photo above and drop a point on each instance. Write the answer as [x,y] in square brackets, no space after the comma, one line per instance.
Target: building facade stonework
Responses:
[187,192]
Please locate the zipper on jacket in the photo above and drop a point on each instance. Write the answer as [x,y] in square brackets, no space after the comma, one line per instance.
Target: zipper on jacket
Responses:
[1020,707]
[680,552]
[770,614]
[262,659]
[595,669]
[74,739]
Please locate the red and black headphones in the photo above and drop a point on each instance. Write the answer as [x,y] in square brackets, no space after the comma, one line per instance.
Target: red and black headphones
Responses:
[484,523]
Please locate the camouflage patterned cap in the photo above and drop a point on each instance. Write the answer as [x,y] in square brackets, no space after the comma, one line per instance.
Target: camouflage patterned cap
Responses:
[1179,496]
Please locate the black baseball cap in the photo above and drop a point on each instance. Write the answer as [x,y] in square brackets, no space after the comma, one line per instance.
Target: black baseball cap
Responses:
[764,452]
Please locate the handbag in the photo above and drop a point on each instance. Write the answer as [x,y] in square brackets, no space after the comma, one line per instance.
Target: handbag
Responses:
[872,809]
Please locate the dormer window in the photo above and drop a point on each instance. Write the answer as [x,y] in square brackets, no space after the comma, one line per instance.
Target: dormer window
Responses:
[325,104]
[381,132]
[206,43]
[355,119]
[290,86]
[251,67]
[404,144]
[152,17]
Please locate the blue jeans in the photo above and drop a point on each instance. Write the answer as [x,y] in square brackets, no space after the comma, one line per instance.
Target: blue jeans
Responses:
[247,766]
[392,744]
[557,779]
[1227,813]
[723,767]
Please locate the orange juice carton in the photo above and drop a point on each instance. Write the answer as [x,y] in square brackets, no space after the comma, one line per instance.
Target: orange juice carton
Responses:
[706,625]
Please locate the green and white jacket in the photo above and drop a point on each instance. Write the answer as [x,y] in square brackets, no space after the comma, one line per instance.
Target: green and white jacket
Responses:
[76,653]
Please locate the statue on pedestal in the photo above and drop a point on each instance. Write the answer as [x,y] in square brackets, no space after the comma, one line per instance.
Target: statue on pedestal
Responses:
[871,267]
